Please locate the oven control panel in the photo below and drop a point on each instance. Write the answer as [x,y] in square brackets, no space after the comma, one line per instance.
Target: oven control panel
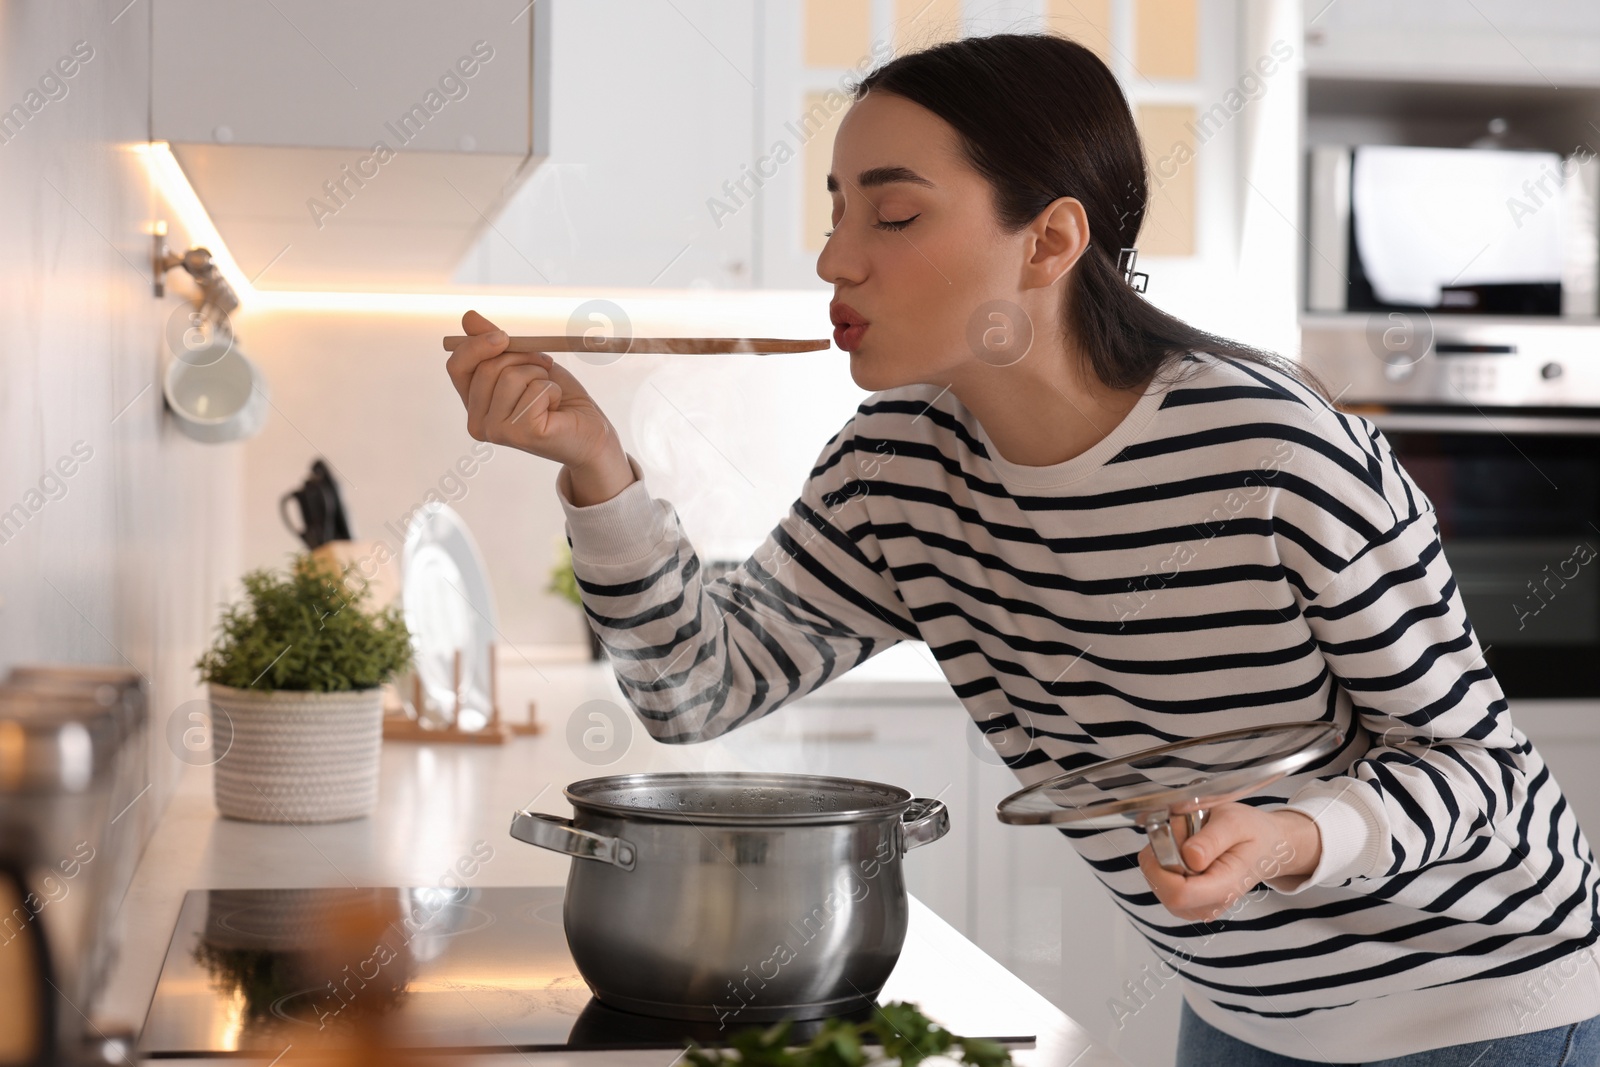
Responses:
[1476,361]
[1473,378]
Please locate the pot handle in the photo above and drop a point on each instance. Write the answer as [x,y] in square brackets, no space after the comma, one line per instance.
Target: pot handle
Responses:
[1158,827]
[559,835]
[923,821]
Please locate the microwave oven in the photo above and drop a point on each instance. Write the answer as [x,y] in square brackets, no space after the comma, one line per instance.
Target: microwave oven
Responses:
[1470,231]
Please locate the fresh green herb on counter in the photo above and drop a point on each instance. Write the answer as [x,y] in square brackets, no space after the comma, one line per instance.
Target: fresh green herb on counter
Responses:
[306,630]
[906,1036]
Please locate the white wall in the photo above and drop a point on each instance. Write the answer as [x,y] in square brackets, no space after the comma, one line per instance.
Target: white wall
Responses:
[124,561]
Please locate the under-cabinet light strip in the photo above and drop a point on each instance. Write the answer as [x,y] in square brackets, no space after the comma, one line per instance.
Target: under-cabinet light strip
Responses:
[739,313]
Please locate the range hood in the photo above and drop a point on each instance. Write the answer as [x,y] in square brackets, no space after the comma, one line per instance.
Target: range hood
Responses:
[338,151]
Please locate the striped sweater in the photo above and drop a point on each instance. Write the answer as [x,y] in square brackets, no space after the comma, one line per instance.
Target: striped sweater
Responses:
[1235,552]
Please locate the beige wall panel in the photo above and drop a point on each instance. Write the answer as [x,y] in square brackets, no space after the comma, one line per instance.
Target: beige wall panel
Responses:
[1166,38]
[838,32]
[1169,154]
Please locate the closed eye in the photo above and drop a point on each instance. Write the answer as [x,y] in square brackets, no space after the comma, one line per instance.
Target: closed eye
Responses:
[900,224]
[887,224]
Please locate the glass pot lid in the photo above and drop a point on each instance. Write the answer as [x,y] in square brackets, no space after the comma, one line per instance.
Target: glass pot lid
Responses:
[736,796]
[1183,777]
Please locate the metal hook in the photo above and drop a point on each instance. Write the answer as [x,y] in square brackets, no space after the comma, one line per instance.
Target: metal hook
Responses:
[215,291]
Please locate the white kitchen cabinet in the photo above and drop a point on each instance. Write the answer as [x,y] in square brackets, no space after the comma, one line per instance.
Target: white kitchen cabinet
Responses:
[351,146]
[1556,42]
[652,111]
[682,150]
[303,73]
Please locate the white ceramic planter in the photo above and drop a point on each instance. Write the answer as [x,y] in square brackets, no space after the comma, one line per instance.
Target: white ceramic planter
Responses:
[296,757]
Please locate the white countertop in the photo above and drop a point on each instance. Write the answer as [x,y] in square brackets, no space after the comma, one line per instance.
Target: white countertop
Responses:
[435,801]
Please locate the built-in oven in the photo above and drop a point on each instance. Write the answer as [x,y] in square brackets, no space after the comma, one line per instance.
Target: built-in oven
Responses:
[1498,422]
[1518,503]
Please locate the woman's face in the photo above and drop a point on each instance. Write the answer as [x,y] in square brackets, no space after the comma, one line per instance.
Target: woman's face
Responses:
[916,250]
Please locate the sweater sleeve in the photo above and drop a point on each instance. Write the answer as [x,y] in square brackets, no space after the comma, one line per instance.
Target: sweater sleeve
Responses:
[1445,760]
[696,658]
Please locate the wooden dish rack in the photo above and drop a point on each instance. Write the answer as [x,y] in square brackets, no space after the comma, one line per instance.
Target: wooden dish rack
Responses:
[495,732]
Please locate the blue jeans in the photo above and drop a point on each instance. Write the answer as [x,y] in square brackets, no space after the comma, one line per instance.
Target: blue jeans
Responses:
[1577,1045]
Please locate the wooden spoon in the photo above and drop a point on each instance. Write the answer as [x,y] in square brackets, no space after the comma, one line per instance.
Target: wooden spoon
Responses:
[675,345]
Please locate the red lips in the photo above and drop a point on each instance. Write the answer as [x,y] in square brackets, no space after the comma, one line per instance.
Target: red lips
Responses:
[848,326]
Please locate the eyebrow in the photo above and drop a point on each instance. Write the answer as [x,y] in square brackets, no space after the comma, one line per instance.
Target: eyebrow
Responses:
[874,176]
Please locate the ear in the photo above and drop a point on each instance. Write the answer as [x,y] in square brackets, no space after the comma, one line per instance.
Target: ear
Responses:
[1057,237]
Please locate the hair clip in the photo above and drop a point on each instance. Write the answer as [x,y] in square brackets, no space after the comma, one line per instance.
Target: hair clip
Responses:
[1137,280]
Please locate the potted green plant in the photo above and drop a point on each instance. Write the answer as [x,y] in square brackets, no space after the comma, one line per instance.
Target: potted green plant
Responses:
[564,583]
[294,679]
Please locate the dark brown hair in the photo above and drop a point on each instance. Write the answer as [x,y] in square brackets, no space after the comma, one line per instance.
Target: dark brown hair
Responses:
[1040,117]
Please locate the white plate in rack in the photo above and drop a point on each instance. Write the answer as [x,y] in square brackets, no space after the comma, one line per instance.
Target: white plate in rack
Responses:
[448,607]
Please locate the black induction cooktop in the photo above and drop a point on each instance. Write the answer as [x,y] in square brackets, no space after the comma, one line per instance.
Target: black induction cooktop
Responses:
[459,970]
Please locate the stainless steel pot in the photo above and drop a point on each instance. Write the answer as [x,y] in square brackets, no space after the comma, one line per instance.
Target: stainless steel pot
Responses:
[736,897]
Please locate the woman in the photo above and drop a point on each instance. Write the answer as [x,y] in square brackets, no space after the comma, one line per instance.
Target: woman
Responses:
[1115,531]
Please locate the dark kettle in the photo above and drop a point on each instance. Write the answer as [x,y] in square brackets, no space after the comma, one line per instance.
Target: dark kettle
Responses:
[322,514]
